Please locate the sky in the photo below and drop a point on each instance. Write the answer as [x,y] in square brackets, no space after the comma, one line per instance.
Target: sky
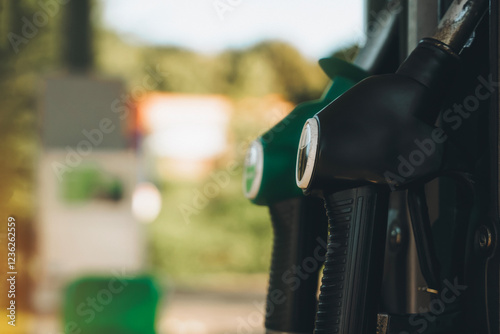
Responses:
[315,27]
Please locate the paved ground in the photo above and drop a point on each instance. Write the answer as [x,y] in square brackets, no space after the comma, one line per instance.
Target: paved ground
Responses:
[190,312]
[213,313]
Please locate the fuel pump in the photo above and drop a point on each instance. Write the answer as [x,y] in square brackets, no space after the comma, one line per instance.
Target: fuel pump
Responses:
[299,222]
[362,146]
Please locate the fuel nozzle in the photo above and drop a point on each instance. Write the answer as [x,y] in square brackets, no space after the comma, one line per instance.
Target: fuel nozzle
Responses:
[360,136]
[269,174]
[351,153]
[299,222]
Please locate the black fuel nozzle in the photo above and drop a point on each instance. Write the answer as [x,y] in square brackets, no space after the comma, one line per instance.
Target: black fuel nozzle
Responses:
[373,133]
[378,136]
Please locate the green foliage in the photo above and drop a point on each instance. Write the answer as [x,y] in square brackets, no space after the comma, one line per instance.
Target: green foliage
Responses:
[229,234]
[267,68]
[20,68]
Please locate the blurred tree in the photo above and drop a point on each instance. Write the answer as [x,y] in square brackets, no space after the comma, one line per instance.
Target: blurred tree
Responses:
[294,77]
[270,67]
[29,47]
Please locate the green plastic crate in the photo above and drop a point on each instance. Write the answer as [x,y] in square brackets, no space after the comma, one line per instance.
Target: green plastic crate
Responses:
[111,305]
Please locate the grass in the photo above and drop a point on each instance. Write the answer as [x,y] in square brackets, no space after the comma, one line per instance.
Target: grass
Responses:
[228,235]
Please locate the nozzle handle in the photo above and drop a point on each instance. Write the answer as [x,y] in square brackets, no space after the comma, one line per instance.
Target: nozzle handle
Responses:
[352,276]
[300,232]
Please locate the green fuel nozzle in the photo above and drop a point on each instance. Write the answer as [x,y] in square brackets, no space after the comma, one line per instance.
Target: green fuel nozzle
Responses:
[299,222]
[269,174]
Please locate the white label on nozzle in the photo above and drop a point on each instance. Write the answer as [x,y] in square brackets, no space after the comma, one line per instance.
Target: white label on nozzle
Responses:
[306,154]
[252,174]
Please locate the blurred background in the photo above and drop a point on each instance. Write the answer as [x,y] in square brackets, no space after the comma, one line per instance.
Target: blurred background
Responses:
[124,128]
